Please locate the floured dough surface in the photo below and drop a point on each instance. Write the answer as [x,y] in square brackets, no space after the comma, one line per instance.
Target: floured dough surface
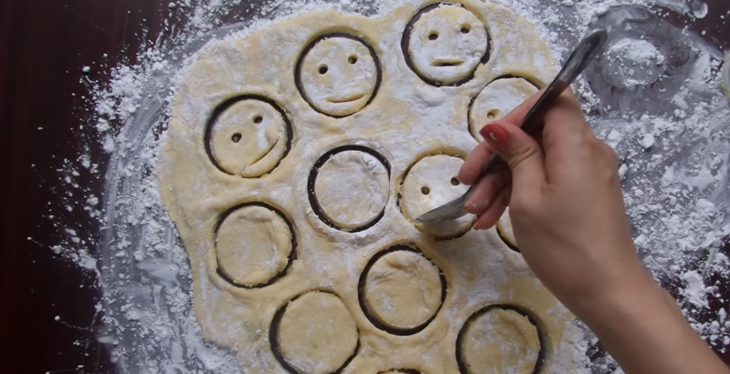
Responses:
[496,101]
[505,231]
[403,290]
[352,188]
[295,162]
[316,333]
[430,183]
[500,341]
[253,244]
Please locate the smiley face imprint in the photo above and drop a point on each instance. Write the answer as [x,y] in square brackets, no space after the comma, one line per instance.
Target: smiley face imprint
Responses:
[445,44]
[338,75]
[249,137]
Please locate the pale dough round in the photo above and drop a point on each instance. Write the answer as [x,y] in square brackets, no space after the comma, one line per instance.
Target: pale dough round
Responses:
[253,244]
[403,290]
[349,174]
[447,43]
[316,333]
[505,232]
[497,100]
[249,138]
[430,183]
[338,75]
[500,341]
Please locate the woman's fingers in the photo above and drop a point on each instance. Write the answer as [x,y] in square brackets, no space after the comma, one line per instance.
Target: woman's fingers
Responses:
[486,190]
[490,216]
[474,163]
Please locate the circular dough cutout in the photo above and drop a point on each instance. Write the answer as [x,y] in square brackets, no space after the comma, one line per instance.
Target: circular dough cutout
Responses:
[338,75]
[499,339]
[401,291]
[496,100]
[314,333]
[505,232]
[343,173]
[400,371]
[248,136]
[254,245]
[445,44]
[430,183]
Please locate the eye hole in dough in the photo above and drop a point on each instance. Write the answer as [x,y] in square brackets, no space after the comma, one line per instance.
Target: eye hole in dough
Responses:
[342,173]
[428,184]
[401,291]
[496,100]
[314,333]
[505,232]
[254,245]
[500,339]
[248,136]
[338,74]
[445,43]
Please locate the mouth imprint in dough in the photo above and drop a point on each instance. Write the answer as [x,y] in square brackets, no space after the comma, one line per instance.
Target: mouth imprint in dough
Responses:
[401,291]
[314,333]
[329,67]
[500,339]
[238,261]
[359,170]
[239,127]
[448,26]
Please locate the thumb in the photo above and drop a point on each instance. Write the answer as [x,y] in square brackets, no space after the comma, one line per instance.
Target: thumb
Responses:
[521,152]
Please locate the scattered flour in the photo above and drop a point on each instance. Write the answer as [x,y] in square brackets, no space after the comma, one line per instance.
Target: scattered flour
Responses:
[674,166]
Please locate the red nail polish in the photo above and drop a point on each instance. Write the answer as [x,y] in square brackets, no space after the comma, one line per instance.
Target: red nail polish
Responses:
[495,134]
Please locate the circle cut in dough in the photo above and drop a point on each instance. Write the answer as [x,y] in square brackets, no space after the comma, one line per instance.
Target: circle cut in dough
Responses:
[351,187]
[249,137]
[430,183]
[254,245]
[496,100]
[314,333]
[445,44]
[401,291]
[499,339]
[338,75]
[505,232]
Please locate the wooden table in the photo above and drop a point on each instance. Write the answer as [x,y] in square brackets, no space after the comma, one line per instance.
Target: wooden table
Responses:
[43,47]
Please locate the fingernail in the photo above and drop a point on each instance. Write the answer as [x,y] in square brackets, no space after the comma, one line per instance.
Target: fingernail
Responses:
[495,134]
[477,206]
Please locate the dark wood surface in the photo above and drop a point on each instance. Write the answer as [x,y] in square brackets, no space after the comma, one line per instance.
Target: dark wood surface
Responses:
[43,46]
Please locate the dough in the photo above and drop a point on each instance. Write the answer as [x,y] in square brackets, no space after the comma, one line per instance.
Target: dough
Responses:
[500,341]
[403,290]
[430,183]
[446,43]
[249,138]
[253,244]
[349,174]
[317,333]
[339,75]
[505,232]
[497,100]
[418,127]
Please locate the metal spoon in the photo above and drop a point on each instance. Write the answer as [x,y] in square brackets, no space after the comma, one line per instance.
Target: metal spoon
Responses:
[531,124]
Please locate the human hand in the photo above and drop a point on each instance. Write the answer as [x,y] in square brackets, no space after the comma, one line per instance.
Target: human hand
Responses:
[565,202]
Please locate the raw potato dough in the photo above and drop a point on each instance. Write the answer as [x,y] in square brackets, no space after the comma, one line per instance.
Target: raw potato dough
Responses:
[403,289]
[496,101]
[338,76]
[317,333]
[406,119]
[249,138]
[253,244]
[447,43]
[352,188]
[501,341]
[431,183]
